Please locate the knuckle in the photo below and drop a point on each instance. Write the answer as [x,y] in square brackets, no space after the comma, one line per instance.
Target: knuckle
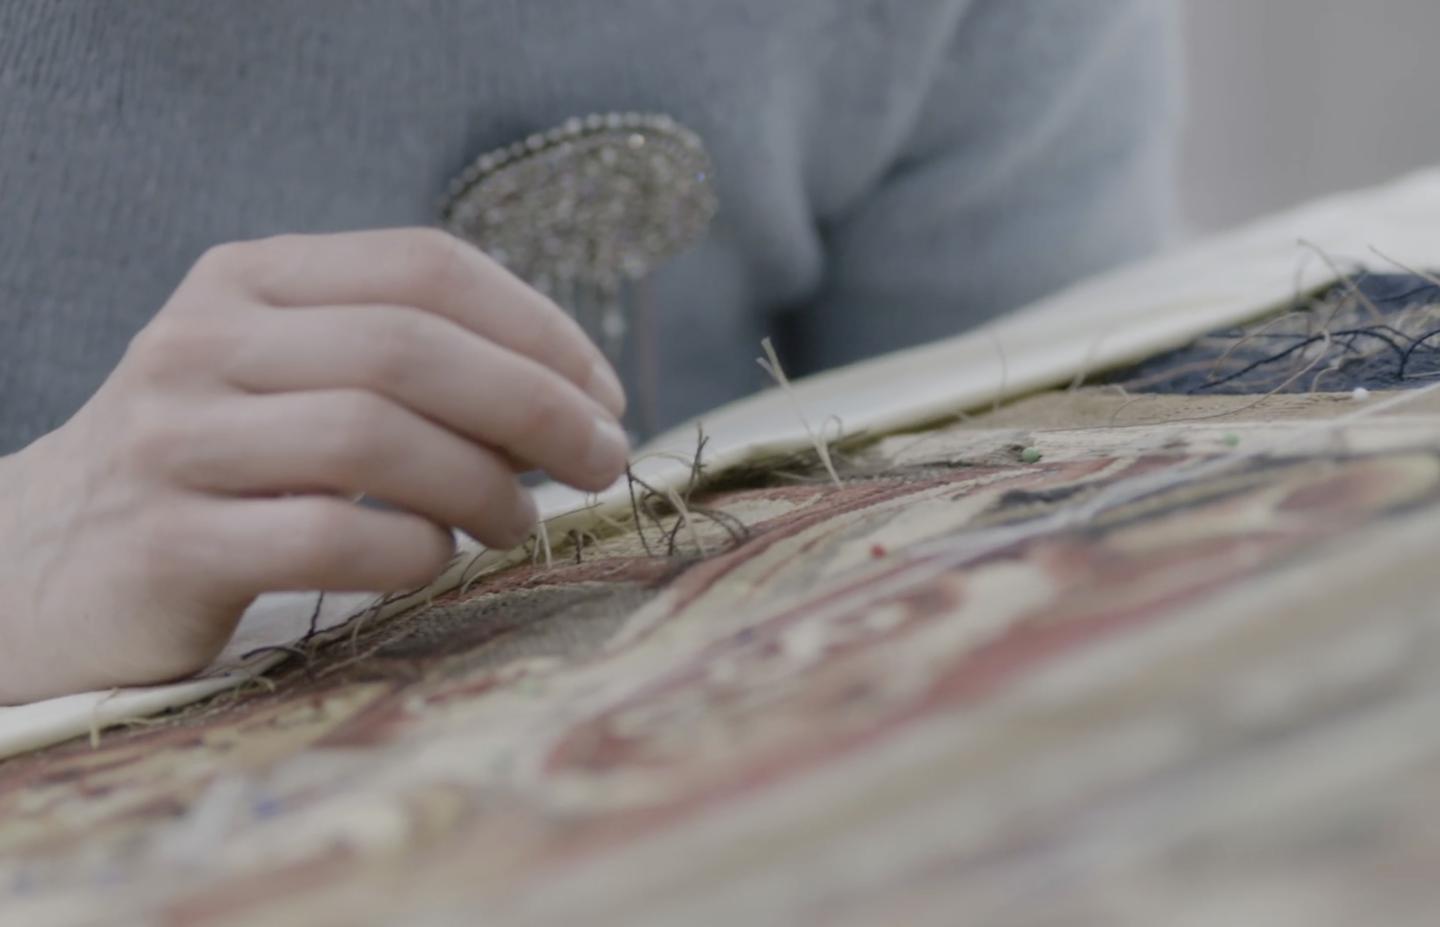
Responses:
[548,334]
[156,438]
[425,554]
[175,343]
[554,325]
[430,244]
[222,262]
[433,557]
[546,410]
[160,338]
[435,260]
[320,539]
[285,243]
[492,493]
[357,428]
[394,356]
[258,266]
[174,335]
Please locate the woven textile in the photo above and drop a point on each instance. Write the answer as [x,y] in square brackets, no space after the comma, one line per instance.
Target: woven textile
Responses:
[1089,672]
[1088,655]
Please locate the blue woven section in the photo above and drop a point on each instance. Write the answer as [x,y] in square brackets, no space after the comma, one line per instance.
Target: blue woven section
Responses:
[1387,337]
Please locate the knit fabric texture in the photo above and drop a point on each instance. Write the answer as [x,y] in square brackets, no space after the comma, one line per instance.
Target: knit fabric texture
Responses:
[888,171]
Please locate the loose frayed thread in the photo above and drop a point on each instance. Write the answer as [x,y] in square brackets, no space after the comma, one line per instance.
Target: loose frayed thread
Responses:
[1319,349]
[1371,334]
[651,509]
[770,363]
[653,503]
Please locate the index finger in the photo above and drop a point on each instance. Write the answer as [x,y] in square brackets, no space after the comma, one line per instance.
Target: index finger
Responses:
[433,271]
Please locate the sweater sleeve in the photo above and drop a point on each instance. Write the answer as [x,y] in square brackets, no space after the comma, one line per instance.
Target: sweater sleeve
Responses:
[1043,154]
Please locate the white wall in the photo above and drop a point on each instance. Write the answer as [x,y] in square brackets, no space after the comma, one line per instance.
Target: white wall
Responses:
[1290,99]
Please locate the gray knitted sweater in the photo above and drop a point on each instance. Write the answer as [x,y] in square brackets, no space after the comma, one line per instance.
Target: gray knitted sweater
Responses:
[888,171]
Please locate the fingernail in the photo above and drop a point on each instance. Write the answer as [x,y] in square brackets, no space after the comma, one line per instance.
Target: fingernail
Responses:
[604,387]
[608,451]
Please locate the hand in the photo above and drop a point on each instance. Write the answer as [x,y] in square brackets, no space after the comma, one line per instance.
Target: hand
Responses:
[284,378]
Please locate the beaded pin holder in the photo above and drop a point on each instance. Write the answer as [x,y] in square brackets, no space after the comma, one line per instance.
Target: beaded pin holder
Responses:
[584,213]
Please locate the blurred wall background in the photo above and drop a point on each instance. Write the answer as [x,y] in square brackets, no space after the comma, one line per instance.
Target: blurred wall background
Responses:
[1290,99]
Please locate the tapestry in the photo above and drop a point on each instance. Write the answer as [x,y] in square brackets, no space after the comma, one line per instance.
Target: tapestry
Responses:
[1122,650]
[1037,674]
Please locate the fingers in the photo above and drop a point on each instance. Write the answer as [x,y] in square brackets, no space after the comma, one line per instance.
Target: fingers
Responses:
[490,395]
[309,542]
[350,442]
[429,270]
